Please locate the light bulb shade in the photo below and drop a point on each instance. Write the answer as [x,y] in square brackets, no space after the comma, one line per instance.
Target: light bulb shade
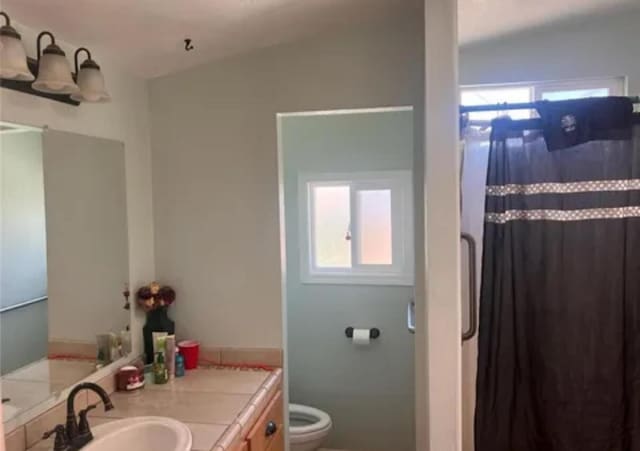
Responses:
[54,73]
[13,58]
[91,84]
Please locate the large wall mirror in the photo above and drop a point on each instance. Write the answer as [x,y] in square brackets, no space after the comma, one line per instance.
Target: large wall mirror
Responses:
[63,261]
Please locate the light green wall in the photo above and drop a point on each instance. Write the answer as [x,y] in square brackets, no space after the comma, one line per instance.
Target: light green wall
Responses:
[369,392]
[23,274]
[23,257]
[23,334]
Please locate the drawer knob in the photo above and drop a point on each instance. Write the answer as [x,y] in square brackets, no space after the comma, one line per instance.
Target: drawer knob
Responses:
[272,428]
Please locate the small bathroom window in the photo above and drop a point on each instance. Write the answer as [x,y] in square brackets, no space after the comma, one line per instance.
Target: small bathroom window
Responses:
[356,228]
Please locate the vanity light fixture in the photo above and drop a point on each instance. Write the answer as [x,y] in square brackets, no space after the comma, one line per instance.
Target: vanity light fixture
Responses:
[13,57]
[54,72]
[53,77]
[90,80]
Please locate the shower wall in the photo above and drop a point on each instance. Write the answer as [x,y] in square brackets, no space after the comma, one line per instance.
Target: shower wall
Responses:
[368,391]
[598,46]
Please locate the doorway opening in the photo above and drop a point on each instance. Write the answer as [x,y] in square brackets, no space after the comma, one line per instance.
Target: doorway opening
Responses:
[347,232]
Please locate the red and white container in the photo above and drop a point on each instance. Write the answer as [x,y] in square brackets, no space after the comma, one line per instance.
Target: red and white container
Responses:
[190,350]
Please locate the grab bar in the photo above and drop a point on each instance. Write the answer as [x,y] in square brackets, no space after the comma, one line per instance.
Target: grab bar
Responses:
[473,321]
[22,304]
[411,316]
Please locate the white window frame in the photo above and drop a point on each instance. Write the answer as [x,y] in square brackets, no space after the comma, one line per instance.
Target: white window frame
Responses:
[401,271]
[615,85]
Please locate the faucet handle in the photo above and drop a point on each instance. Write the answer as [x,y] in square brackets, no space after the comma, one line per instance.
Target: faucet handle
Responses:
[60,443]
[83,426]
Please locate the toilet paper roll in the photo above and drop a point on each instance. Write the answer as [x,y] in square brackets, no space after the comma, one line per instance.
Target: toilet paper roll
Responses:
[361,337]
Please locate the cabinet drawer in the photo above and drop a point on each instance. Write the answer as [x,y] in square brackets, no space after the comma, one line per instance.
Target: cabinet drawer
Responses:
[268,433]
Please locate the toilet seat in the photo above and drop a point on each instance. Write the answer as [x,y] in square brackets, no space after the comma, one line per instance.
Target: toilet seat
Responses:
[320,421]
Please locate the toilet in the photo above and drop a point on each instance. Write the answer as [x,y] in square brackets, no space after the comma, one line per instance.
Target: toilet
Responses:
[308,427]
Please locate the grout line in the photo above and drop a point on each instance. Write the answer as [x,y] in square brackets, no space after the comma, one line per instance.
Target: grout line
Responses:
[205,391]
[208,424]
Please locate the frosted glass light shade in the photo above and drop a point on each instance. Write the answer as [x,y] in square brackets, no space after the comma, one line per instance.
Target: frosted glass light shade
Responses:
[91,84]
[13,58]
[54,73]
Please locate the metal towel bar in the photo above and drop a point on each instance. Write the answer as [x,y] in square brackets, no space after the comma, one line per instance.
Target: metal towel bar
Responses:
[22,304]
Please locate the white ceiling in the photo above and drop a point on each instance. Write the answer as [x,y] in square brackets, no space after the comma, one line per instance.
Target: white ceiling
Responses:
[146,36]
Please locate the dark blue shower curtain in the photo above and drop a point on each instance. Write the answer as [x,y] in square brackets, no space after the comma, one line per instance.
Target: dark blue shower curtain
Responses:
[559,337]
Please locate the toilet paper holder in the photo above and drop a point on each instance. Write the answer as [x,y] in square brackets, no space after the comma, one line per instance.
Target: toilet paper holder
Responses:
[373,333]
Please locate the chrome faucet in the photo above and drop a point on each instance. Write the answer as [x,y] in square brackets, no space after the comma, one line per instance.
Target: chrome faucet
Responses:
[73,436]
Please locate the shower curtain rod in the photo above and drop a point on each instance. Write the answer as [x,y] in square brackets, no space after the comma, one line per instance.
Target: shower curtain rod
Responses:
[514,106]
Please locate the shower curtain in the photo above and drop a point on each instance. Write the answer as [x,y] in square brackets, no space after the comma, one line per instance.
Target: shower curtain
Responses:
[559,337]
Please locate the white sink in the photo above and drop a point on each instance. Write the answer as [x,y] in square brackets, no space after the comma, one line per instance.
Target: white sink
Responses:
[141,434]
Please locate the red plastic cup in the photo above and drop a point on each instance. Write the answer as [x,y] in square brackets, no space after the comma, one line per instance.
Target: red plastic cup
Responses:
[190,350]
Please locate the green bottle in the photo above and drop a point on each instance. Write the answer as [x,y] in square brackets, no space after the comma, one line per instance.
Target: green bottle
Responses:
[160,372]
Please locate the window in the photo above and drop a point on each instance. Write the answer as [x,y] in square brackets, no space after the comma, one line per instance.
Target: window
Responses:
[492,95]
[579,89]
[529,92]
[356,228]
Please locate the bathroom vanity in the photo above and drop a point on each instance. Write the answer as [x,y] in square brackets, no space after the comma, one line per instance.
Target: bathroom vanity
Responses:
[225,410]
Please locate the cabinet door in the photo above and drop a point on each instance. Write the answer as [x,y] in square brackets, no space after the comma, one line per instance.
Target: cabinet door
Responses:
[268,432]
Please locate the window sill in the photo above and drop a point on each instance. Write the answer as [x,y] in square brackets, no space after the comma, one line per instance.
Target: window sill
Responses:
[353,279]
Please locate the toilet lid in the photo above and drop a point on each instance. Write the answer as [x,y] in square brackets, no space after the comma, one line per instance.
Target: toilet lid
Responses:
[319,420]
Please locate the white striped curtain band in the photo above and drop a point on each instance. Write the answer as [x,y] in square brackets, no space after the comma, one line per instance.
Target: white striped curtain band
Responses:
[563,215]
[563,188]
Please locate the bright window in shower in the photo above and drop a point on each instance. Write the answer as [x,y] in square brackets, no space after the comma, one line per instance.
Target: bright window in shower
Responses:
[356,228]
[529,92]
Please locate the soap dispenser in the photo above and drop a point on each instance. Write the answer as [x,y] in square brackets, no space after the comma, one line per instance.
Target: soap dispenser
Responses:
[160,371]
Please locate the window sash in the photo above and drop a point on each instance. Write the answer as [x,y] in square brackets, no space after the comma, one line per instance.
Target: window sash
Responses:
[311,231]
[397,253]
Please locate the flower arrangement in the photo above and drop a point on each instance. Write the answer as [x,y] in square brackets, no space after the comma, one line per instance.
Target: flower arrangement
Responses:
[154,296]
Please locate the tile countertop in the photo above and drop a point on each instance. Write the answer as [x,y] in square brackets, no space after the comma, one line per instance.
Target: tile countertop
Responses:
[218,405]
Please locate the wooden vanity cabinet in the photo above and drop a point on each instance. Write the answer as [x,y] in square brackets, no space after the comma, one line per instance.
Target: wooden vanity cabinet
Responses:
[267,434]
